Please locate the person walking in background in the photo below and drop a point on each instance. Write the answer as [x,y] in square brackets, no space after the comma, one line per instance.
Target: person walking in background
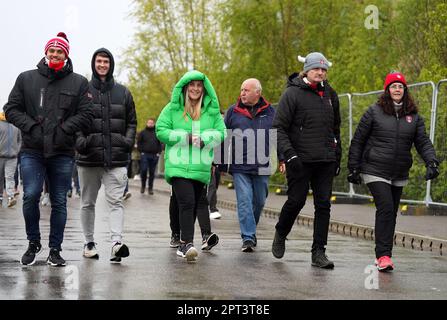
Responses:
[380,156]
[308,124]
[251,116]
[215,180]
[10,142]
[75,183]
[150,148]
[49,105]
[104,152]
[190,126]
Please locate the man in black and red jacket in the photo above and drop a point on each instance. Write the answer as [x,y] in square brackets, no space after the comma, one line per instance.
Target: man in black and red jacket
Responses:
[308,124]
[249,122]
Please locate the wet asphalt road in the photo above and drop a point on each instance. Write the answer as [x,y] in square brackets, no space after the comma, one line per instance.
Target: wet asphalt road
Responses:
[154,271]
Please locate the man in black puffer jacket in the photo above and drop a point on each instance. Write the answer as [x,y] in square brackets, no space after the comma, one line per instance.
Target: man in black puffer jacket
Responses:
[308,124]
[104,153]
[48,105]
[150,148]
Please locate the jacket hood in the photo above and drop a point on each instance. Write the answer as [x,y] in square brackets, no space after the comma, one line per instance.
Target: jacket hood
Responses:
[112,65]
[210,101]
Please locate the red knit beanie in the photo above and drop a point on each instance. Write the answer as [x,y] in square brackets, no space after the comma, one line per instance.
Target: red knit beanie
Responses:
[60,41]
[394,77]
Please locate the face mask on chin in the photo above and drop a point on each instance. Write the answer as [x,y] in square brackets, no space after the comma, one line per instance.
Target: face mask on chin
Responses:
[55,66]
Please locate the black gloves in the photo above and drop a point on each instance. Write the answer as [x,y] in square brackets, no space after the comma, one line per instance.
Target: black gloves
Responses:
[294,164]
[354,176]
[432,170]
[337,169]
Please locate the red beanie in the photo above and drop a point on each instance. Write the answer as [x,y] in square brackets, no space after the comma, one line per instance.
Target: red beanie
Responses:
[394,77]
[60,41]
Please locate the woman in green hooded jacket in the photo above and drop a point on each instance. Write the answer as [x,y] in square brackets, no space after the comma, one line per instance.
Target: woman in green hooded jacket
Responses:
[190,126]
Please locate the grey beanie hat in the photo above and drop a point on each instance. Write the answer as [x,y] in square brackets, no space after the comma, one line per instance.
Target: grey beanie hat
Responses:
[314,60]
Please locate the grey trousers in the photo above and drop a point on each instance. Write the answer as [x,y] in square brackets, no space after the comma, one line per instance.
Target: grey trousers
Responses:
[7,171]
[114,181]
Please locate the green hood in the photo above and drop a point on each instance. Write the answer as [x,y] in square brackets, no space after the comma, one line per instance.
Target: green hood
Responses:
[210,101]
[173,129]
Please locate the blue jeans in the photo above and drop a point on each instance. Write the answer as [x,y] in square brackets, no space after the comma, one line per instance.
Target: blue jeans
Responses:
[251,193]
[148,161]
[58,169]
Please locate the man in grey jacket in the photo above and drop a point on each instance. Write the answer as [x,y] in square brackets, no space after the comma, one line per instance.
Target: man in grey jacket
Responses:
[10,141]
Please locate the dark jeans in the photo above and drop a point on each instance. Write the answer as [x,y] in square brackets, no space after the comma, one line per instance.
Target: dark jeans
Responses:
[148,161]
[320,176]
[58,169]
[386,198]
[212,190]
[191,203]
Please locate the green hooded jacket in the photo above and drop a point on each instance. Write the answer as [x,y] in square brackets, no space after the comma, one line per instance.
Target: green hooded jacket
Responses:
[183,160]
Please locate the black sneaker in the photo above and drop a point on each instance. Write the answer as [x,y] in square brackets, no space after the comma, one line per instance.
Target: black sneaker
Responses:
[320,260]
[248,246]
[209,242]
[142,189]
[119,250]
[187,250]
[278,246]
[55,259]
[175,240]
[151,191]
[34,249]
[69,193]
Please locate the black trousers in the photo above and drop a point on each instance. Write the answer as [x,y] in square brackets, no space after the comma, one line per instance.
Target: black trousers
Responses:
[188,201]
[320,176]
[386,198]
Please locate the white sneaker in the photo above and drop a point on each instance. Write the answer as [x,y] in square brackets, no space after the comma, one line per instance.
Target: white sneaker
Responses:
[90,251]
[119,250]
[46,199]
[215,215]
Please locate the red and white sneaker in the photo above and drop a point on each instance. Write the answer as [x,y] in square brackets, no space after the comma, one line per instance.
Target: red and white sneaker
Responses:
[384,263]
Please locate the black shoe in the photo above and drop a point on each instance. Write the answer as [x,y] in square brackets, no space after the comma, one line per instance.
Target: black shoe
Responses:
[175,240]
[34,249]
[55,259]
[151,191]
[278,246]
[69,193]
[320,260]
[248,246]
[209,242]
[187,250]
[255,241]
[119,250]
[142,189]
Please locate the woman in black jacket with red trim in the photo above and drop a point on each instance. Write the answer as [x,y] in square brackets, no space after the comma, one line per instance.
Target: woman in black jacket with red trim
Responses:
[380,155]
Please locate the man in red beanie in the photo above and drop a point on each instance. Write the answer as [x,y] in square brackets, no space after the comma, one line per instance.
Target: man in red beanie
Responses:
[48,104]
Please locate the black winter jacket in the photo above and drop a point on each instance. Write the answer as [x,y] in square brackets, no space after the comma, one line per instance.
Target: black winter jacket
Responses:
[109,141]
[147,141]
[308,125]
[382,143]
[49,108]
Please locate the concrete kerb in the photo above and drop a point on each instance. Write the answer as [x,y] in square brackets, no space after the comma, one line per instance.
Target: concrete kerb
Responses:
[406,240]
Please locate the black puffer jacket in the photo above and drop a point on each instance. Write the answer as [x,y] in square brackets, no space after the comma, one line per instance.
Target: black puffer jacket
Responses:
[382,143]
[308,125]
[49,108]
[147,141]
[111,137]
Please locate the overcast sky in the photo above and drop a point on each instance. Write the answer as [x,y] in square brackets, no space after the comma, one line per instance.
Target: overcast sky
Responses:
[26,26]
